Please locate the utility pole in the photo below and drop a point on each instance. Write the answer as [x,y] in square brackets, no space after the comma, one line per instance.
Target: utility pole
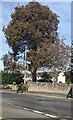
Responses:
[25,55]
[26,63]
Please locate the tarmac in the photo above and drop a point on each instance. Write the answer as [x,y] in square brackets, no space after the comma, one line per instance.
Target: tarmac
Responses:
[51,95]
[44,94]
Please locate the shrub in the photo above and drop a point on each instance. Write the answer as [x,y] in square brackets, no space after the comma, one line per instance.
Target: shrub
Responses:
[9,78]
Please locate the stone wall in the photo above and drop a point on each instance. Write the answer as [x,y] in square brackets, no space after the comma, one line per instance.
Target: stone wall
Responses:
[9,86]
[45,87]
[49,87]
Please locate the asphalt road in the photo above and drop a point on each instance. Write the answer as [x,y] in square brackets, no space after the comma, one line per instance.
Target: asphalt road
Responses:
[14,112]
[29,106]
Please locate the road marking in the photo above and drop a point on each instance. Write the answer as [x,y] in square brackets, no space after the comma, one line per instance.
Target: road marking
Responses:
[52,116]
[24,108]
[27,109]
[39,112]
[35,111]
[20,107]
[17,106]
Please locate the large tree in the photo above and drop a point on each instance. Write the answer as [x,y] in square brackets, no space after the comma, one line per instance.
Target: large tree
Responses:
[36,26]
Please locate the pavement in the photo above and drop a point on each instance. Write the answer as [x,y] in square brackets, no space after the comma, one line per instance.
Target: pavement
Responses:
[53,95]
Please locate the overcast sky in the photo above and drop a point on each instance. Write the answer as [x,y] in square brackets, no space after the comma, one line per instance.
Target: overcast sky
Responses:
[62,9]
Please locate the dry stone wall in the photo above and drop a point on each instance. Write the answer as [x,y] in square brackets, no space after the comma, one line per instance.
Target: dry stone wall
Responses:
[48,87]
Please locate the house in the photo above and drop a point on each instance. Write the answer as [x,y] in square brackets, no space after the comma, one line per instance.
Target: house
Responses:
[61,77]
[54,75]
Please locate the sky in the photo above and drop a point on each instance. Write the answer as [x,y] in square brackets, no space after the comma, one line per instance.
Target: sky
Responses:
[62,9]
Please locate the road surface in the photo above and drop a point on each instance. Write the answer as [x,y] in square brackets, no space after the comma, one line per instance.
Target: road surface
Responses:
[28,106]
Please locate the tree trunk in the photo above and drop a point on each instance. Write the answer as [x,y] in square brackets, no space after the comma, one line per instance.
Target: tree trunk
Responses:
[34,75]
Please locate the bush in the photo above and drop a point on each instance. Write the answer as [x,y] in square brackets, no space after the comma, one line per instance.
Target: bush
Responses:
[9,78]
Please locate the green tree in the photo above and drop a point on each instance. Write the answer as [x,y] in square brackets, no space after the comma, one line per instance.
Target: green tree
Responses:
[36,26]
[9,78]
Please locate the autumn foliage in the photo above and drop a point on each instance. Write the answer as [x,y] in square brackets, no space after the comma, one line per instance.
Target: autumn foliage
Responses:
[36,26]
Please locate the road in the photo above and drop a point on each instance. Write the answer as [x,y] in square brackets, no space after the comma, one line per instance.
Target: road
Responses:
[9,111]
[29,106]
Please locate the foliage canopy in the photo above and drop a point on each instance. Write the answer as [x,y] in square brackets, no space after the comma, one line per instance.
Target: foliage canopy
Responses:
[36,26]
